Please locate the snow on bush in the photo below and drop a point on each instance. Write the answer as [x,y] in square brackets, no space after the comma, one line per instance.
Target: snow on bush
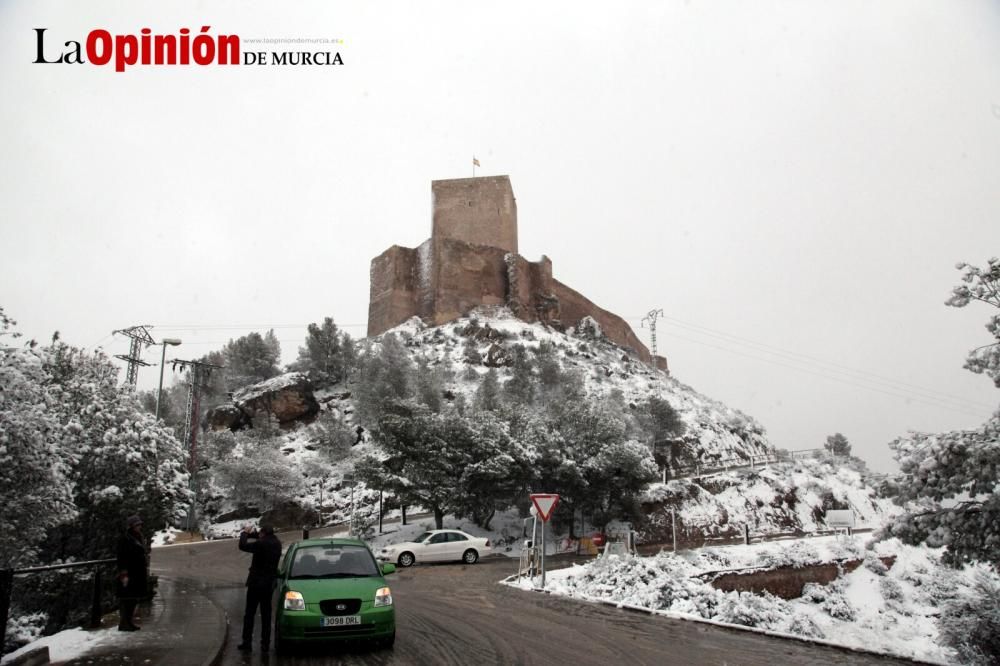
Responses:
[889,609]
[23,629]
[970,622]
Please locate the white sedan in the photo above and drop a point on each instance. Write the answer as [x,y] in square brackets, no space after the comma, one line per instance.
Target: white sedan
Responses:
[437,546]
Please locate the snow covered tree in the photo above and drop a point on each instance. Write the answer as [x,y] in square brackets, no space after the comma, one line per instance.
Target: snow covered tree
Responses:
[328,354]
[251,359]
[659,420]
[951,480]
[588,461]
[430,384]
[939,468]
[838,445]
[520,388]
[983,285]
[422,465]
[385,376]
[447,463]
[497,469]
[35,491]
[121,460]
[488,393]
[261,478]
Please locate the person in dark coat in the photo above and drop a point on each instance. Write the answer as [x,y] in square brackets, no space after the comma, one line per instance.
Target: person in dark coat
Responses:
[266,549]
[132,577]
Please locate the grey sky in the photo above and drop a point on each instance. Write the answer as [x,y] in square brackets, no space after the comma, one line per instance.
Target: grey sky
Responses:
[798,174]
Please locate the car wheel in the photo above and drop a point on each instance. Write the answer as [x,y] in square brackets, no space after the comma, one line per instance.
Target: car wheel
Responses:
[470,556]
[406,560]
[389,641]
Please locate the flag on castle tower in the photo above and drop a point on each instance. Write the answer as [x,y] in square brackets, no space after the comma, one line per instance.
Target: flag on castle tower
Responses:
[475,162]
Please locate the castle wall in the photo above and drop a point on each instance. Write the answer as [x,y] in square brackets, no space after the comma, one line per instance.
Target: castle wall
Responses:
[482,211]
[394,290]
[466,276]
[574,306]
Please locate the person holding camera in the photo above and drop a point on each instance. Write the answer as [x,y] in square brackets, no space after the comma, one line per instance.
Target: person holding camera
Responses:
[266,549]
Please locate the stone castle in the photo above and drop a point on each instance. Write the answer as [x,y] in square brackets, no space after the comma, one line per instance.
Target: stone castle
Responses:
[471,260]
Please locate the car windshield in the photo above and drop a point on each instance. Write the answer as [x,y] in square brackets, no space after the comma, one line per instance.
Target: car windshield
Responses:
[332,562]
[420,539]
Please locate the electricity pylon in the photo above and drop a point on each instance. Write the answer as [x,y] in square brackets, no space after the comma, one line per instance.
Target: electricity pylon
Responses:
[651,318]
[198,374]
[140,337]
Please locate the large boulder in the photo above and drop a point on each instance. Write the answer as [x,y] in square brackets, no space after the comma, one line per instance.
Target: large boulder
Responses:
[287,397]
[226,417]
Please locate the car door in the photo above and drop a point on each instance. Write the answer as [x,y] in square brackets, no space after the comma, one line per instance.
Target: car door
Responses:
[436,548]
[457,543]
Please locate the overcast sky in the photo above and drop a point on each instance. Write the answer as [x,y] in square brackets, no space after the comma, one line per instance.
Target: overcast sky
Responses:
[791,182]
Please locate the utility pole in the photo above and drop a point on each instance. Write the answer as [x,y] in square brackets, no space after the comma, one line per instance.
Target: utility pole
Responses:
[651,318]
[140,337]
[198,374]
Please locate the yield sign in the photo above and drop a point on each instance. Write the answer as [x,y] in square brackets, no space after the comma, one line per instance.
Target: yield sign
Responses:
[544,504]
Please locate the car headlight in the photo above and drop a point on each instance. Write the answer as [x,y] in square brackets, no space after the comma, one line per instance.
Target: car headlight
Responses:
[383,597]
[294,600]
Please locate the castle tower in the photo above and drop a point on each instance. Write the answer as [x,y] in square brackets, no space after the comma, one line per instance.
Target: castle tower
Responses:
[481,211]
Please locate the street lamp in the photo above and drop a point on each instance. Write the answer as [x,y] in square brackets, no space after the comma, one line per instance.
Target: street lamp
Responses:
[163,358]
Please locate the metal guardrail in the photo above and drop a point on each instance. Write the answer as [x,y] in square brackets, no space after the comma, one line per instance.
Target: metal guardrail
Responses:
[724,465]
[7,588]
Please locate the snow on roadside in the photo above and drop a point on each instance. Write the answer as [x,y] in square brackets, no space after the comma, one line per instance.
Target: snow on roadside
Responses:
[66,645]
[890,610]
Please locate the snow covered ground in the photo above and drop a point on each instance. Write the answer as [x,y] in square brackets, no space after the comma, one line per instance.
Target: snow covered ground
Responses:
[890,610]
[67,644]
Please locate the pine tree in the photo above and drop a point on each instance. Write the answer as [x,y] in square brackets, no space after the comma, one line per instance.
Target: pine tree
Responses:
[951,481]
[488,393]
[385,377]
[520,388]
[328,354]
[838,445]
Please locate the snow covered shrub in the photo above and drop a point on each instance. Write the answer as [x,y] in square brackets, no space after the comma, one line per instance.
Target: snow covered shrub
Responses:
[802,625]
[23,629]
[891,589]
[815,593]
[970,623]
[874,564]
[751,610]
[837,606]
[847,549]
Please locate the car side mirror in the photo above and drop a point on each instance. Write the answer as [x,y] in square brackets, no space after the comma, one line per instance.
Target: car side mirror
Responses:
[388,568]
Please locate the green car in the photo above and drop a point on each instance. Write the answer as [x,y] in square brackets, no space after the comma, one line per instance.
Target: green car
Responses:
[333,590]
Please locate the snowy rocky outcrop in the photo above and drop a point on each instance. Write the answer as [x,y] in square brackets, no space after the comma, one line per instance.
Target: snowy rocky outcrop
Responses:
[783,497]
[287,397]
[713,431]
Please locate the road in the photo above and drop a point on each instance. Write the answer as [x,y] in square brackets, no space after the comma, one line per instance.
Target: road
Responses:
[457,614]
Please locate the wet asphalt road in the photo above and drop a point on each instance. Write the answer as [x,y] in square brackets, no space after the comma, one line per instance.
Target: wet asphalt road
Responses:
[457,614]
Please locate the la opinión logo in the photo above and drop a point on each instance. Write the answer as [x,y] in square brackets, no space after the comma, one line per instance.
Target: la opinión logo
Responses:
[202,48]
[145,48]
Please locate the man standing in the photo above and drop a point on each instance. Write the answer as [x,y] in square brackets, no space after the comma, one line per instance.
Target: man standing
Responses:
[132,579]
[266,549]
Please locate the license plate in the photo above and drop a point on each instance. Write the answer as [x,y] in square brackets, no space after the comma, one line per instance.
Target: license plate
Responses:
[341,620]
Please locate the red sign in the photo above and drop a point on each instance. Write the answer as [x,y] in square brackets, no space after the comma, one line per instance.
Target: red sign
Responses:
[545,504]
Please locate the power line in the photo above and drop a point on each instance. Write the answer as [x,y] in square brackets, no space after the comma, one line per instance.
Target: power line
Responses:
[915,398]
[832,366]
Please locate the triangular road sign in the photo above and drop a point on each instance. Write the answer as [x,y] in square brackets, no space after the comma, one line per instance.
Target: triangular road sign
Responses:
[545,504]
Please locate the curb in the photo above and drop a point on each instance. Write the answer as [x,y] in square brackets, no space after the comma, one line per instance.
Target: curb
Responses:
[725,625]
[214,659]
